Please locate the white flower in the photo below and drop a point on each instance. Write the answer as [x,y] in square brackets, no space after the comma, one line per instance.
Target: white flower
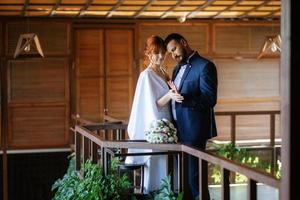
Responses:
[161,131]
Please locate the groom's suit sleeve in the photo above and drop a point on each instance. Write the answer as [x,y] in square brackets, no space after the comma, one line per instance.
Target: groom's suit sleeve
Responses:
[207,97]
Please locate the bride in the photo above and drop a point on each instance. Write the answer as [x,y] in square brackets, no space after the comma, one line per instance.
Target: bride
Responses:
[151,101]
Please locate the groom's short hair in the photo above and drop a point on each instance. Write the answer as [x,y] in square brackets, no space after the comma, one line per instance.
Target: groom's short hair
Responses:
[174,36]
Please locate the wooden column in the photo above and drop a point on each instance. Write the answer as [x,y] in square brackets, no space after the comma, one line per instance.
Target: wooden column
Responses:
[290,101]
[285,98]
[3,128]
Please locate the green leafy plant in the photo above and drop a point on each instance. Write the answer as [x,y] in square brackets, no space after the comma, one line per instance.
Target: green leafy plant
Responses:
[114,186]
[241,155]
[165,192]
[93,186]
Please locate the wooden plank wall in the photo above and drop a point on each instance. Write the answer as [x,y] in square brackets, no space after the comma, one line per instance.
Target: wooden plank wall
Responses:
[119,55]
[245,83]
[103,77]
[89,74]
[104,61]
[38,88]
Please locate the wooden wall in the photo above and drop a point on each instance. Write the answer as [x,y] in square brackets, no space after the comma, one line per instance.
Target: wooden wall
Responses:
[38,88]
[89,73]
[103,74]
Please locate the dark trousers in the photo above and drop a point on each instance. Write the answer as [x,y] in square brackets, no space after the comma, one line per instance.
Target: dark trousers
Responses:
[193,173]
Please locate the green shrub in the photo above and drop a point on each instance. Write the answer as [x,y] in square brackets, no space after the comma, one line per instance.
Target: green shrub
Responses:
[165,191]
[94,186]
[241,155]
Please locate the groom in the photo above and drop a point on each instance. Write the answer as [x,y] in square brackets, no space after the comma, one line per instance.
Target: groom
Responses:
[195,78]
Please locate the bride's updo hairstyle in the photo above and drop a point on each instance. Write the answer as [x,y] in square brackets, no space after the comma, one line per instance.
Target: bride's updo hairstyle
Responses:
[154,45]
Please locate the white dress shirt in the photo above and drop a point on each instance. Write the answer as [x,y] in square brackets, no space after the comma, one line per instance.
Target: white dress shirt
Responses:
[177,82]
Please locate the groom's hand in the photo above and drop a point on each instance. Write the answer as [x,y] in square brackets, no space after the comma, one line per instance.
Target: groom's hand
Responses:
[176,96]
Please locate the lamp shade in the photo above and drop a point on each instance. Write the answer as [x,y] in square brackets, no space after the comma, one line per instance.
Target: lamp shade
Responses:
[26,43]
[272,45]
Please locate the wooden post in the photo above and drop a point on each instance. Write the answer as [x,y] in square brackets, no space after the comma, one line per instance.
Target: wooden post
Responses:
[252,189]
[77,150]
[272,142]
[233,129]
[94,152]
[203,176]
[272,130]
[85,149]
[225,184]
[185,176]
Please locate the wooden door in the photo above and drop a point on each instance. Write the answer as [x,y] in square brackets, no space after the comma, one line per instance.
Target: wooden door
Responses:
[103,73]
[119,58]
[89,74]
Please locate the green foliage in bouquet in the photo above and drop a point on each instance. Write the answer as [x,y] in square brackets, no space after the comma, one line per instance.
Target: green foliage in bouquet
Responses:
[94,186]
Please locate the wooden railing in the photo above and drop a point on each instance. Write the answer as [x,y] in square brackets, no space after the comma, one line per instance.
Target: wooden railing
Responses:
[234,114]
[89,141]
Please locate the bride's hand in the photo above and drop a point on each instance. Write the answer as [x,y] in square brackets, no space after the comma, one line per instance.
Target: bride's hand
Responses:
[175,96]
[172,86]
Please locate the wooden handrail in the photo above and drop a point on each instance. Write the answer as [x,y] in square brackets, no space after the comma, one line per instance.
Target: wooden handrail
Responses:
[88,132]
[262,112]
[80,121]
[108,118]
[92,142]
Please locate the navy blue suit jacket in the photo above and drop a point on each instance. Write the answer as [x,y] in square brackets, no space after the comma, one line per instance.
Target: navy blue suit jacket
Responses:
[195,115]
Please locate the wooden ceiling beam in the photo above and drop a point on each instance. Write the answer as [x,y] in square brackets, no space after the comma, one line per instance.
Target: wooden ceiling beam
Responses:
[271,15]
[194,12]
[255,8]
[144,8]
[110,13]
[226,9]
[82,10]
[25,8]
[167,12]
[57,4]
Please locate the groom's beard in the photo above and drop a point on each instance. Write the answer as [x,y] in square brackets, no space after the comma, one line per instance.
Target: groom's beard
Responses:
[183,57]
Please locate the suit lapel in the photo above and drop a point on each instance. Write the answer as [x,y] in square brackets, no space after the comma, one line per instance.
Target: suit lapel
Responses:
[186,71]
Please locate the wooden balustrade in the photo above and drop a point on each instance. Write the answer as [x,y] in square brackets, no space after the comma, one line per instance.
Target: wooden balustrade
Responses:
[91,137]
[234,114]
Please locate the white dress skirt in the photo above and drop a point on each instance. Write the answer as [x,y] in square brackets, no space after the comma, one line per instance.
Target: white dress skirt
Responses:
[150,87]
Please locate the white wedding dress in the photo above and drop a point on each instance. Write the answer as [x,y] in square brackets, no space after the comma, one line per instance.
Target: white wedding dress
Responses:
[150,87]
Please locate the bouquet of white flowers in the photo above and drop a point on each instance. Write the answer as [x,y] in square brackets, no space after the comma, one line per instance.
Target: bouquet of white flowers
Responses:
[161,131]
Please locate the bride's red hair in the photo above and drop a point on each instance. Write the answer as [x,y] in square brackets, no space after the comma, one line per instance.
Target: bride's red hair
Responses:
[154,44]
